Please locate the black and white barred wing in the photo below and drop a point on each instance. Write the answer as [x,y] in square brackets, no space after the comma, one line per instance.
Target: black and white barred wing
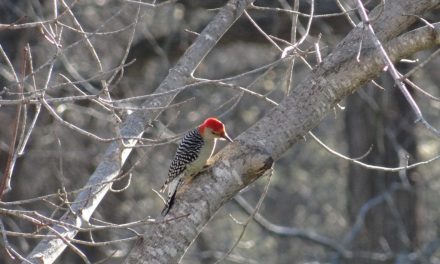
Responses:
[187,152]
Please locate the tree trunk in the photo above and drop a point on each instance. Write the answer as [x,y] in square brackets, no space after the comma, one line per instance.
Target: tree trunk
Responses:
[384,121]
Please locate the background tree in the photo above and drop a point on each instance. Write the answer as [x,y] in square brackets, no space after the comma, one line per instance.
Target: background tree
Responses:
[393,143]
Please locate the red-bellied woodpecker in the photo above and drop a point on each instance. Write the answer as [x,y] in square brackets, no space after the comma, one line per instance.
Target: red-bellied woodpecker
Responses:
[192,154]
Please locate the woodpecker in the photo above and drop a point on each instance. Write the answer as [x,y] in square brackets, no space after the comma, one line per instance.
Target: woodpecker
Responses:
[192,154]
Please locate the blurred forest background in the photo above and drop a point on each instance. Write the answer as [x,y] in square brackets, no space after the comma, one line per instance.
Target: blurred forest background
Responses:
[317,205]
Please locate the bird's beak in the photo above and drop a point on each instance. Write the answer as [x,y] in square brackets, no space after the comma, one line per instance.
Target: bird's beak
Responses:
[225,136]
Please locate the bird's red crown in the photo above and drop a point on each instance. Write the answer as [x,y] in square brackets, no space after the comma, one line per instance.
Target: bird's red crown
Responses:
[214,124]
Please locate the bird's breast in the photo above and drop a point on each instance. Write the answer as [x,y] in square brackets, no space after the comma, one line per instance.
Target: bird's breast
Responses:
[205,153]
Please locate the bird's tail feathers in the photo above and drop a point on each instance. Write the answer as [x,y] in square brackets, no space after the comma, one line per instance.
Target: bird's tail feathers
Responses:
[172,190]
[168,205]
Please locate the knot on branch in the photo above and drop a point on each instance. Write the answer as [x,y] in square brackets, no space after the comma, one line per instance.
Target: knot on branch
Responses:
[245,162]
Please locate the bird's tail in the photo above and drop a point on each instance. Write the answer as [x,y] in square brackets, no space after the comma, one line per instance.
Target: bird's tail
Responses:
[172,190]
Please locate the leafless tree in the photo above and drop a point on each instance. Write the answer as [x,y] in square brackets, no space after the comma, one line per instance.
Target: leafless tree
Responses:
[91,91]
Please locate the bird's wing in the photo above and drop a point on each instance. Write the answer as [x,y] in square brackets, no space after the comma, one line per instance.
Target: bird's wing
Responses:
[187,152]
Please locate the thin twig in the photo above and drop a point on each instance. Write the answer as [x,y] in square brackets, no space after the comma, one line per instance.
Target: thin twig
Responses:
[366,207]
[151,5]
[347,14]
[5,185]
[22,147]
[369,166]
[262,31]
[70,245]
[251,216]
[309,24]
[291,231]
[422,64]
[392,70]
[5,240]
[417,88]
[284,10]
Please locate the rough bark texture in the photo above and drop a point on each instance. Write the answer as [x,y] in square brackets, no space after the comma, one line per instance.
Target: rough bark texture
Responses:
[254,151]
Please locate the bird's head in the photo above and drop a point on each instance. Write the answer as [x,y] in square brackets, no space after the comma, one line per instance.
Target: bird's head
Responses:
[213,128]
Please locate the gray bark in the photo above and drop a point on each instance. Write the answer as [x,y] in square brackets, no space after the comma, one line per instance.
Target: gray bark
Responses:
[254,151]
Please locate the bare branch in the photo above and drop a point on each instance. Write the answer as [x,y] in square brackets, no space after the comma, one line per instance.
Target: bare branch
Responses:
[369,166]
[251,216]
[394,73]
[5,185]
[292,231]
